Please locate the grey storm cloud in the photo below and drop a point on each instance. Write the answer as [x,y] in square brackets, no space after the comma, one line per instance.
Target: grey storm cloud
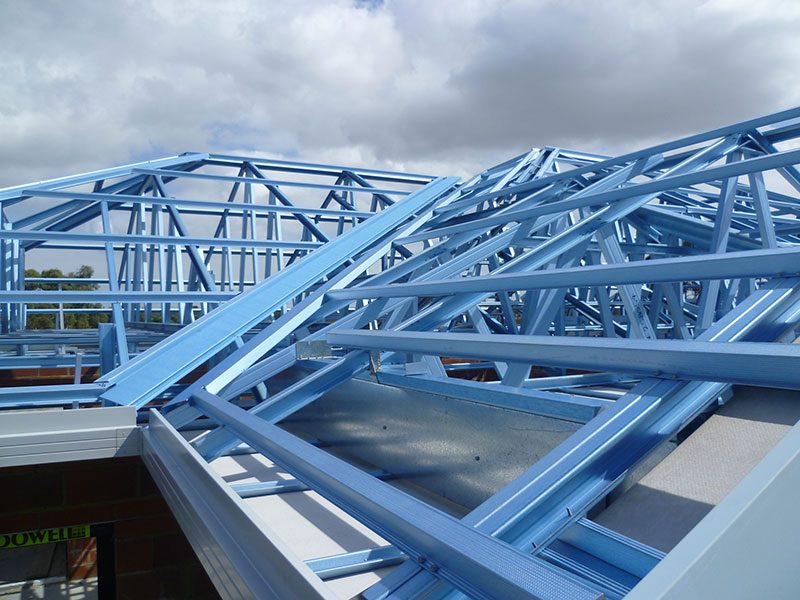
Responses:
[442,87]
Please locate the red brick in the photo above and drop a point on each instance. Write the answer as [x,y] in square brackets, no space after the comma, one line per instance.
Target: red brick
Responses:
[11,523]
[171,550]
[147,487]
[162,583]
[135,555]
[18,470]
[80,515]
[25,491]
[100,484]
[148,525]
[195,583]
[136,507]
[154,560]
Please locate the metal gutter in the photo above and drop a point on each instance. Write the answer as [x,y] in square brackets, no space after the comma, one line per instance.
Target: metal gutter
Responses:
[241,555]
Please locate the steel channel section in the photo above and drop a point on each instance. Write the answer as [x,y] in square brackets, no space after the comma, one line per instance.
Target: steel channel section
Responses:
[289,400]
[140,380]
[104,297]
[78,207]
[450,266]
[44,395]
[567,407]
[281,405]
[14,193]
[243,558]
[561,487]
[188,202]
[281,183]
[747,363]
[781,262]
[691,140]
[572,239]
[36,437]
[359,561]
[476,563]
[636,558]
[703,392]
[69,236]
[281,486]
[221,374]
[314,305]
[321,169]
[510,220]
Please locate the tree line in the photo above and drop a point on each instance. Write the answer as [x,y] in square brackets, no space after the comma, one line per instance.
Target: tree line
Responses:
[71,320]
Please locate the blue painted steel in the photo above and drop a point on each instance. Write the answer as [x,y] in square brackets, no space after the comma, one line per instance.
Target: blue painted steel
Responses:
[475,563]
[678,260]
[782,262]
[560,406]
[558,489]
[149,258]
[352,563]
[201,340]
[230,207]
[281,183]
[768,365]
[282,486]
[625,553]
[44,395]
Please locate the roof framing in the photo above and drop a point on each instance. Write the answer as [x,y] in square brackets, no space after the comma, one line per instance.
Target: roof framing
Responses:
[670,272]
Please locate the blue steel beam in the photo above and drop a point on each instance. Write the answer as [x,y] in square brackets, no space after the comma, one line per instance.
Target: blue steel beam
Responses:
[571,240]
[235,364]
[700,154]
[473,562]
[747,363]
[79,207]
[284,486]
[506,263]
[690,140]
[634,557]
[138,383]
[106,297]
[71,236]
[280,183]
[352,563]
[563,485]
[12,193]
[569,407]
[321,168]
[194,202]
[778,262]
[44,395]
[662,184]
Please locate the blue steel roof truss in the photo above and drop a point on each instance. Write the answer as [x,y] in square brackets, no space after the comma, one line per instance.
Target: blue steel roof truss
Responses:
[670,273]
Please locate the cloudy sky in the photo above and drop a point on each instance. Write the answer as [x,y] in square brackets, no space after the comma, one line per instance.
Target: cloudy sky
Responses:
[445,87]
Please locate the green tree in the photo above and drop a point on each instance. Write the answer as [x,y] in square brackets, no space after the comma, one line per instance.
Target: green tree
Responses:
[71,320]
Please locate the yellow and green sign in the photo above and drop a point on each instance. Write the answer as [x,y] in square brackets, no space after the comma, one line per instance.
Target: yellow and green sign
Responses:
[43,536]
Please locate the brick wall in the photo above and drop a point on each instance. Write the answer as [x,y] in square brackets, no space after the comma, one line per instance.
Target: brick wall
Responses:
[153,558]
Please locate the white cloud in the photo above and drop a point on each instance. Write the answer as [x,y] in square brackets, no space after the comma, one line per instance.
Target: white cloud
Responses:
[445,87]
